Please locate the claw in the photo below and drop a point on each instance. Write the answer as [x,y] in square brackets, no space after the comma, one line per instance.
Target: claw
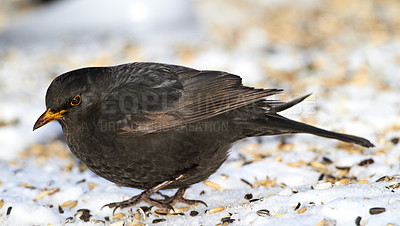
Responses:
[115,210]
[112,205]
[178,197]
[198,201]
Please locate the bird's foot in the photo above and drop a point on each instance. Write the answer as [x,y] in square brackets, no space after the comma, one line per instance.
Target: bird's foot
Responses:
[144,196]
[178,197]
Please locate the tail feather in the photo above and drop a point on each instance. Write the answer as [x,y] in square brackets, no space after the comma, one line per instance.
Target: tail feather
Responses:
[285,105]
[281,123]
[277,124]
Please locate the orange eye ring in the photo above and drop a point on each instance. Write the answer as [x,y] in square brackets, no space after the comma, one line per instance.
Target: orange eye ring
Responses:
[76,100]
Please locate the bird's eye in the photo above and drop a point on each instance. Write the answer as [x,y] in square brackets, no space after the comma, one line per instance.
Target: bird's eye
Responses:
[76,100]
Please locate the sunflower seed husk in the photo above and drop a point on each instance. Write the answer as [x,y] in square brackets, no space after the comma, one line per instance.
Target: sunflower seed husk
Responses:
[263,213]
[376,210]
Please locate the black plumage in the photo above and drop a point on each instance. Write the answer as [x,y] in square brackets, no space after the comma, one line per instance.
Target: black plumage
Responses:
[156,126]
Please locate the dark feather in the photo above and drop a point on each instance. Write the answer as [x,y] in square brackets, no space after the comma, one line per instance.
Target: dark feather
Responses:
[183,96]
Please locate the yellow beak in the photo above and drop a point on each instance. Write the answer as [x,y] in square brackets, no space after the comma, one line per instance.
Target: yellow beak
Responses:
[47,117]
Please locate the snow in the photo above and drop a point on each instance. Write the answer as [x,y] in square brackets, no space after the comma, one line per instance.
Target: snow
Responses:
[355,90]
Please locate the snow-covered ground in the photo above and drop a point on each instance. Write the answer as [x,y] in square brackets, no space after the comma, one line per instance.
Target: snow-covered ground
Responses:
[346,54]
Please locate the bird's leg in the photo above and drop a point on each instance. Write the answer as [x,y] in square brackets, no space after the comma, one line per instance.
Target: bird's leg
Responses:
[178,197]
[145,196]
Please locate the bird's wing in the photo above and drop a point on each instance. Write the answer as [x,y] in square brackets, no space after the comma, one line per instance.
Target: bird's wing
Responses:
[162,97]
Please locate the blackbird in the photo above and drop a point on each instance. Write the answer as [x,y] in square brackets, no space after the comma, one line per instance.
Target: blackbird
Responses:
[157,126]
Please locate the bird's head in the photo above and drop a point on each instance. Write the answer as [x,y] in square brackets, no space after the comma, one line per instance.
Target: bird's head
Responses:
[69,97]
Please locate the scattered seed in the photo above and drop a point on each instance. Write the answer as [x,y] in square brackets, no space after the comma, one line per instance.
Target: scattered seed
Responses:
[382,150]
[293,164]
[394,184]
[268,183]
[362,182]
[277,214]
[118,223]
[69,220]
[46,193]
[286,191]
[81,181]
[376,210]
[321,177]
[212,185]
[161,212]
[107,218]
[246,182]
[395,140]
[1,203]
[327,160]
[384,178]
[60,210]
[321,223]
[263,213]
[224,176]
[193,213]
[216,209]
[9,210]
[70,203]
[317,165]
[247,162]
[303,163]
[297,207]
[68,166]
[278,158]
[83,214]
[285,146]
[155,221]
[302,210]
[146,209]
[179,210]
[202,192]
[342,173]
[118,215]
[343,167]
[143,211]
[330,178]
[248,196]
[325,185]
[294,190]
[228,220]
[361,221]
[99,222]
[345,181]
[269,195]
[92,185]
[254,200]
[366,162]
[312,203]
[26,185]
[9,122]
